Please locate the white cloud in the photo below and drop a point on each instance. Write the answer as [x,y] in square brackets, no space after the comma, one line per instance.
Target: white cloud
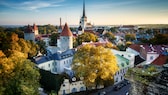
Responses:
[32,5]
[113,4]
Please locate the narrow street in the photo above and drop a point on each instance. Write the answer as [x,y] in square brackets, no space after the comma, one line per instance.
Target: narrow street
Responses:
[110,90]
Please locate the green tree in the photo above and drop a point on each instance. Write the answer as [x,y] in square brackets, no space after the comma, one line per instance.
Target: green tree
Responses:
[42,46]
[121,47]
[95,64]
[86,37]
[159,39]
[18,75]
[130,37]
[10,41]
[113,29]
[53,39]
[110,36]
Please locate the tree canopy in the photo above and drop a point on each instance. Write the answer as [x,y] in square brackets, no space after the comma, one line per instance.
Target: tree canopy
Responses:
[53,39]
[18,75]
[130,37]
[10,41]
[110,36]
[159,39]
[86,37]
[95,64]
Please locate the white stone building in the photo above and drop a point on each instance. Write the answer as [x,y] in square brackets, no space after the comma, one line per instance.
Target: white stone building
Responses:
[59,61]
[127,55]
[123,65]
[56,63]
[71,86]
[29,33]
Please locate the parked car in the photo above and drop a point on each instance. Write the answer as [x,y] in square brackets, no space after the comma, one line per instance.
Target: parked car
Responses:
[118,86]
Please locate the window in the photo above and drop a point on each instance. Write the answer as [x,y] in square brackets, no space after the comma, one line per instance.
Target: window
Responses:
[127,63]
[122,64]
[82,89]
[63,85]
[64,93]
[42,67]
[151,57]
[74,90]
[48,65]
[121,78]
[116,80]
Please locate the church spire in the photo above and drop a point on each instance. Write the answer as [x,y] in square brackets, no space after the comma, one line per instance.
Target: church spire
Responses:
[84,8]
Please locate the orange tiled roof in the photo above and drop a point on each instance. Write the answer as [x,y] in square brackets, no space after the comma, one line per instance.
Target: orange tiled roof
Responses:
[66,31]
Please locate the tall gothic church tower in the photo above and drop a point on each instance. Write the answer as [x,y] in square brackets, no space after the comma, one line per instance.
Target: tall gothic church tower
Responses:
[66,39]
[83,21]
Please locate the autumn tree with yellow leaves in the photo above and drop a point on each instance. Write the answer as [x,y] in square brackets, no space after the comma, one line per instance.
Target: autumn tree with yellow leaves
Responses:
[95,64]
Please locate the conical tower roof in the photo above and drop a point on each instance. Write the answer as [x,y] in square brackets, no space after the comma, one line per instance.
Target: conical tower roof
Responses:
[66,31]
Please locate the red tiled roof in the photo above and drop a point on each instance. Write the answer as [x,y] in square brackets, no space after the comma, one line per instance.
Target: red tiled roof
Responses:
[135,47]
[161,60]
[156,48]
[128,26]
[66,31]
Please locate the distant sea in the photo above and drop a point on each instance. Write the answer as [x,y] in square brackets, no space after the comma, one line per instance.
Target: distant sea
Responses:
[12,26]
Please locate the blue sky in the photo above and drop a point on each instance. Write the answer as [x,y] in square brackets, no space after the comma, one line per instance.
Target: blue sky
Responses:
[98,12]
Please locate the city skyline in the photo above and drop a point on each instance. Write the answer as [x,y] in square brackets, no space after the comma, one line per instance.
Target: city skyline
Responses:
[98,12]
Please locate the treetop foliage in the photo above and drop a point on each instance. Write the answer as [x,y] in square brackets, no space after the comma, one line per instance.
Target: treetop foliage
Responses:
[86,37]
[10,41]
[18,75]
[95,64]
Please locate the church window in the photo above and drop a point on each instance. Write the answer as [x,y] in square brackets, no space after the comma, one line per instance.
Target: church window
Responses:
[116,79]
